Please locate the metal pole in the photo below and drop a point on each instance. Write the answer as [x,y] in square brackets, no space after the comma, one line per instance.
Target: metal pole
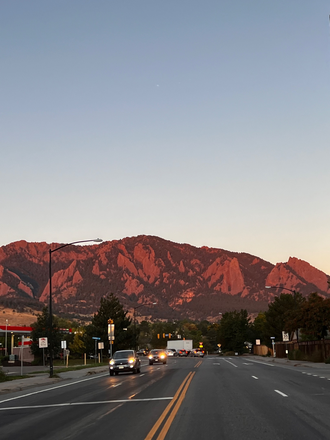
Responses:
[134,328]
[22,347]
[6,352]
[51,366]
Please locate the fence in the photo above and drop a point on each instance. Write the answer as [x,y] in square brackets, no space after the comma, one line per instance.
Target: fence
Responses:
[312,350]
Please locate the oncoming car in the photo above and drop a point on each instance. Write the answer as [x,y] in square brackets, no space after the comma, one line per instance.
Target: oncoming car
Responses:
[123,361]
[157,356]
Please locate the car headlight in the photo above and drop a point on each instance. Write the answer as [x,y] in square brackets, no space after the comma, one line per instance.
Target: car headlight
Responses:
[112,362]
[150,356]
[131,361]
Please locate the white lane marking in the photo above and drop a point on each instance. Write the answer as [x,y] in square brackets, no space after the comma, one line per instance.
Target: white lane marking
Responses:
[315,375]
[280,392]
[116,385]
[142,374]
[54,388]
[245,363]
[254,377]
[215,363]
[263,363]
[322,377]
[230,363]
[57,405]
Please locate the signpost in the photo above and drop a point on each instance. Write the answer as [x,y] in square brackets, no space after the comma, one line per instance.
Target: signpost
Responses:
[273,344]
[63,346]
[111,334]
[95,354]
[43,343]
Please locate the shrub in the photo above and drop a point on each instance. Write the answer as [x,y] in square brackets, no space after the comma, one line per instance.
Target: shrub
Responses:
[3,376]
[327,361]
[296,355]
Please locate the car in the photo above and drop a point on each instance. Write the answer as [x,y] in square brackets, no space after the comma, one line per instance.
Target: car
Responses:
[142,352]
[124,361]
[198,352]
[171,352]
[158,356]
[182,352]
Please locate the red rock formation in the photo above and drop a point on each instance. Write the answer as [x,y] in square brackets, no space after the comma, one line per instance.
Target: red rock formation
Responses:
[185,280]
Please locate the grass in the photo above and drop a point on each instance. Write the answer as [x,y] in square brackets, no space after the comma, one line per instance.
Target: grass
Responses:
[5,378]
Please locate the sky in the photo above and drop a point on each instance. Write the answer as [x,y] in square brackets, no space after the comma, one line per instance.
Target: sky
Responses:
[201,122]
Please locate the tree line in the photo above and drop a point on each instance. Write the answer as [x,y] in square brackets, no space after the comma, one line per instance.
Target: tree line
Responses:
[233,332]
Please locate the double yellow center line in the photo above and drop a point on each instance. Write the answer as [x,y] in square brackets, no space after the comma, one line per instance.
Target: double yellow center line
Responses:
[174,405]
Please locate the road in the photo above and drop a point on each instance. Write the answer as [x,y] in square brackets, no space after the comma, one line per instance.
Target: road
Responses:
[189,398]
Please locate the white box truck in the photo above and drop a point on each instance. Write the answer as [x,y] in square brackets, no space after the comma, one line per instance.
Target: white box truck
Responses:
[181,344]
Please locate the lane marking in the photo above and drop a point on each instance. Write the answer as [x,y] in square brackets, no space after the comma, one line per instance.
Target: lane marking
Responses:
[198,364]
[280,392]
[54,388]
[254,377]
[102,402]
[167,409]
[245,363]
[169,421]
[116,385]
[262,363]
[231,363]
[215,363]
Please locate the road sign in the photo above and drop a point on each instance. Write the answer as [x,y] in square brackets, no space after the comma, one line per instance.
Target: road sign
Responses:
[95,337]
[101,345]
[43,342]
[63,344]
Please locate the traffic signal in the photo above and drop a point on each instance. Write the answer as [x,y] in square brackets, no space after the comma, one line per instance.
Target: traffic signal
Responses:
[158,335]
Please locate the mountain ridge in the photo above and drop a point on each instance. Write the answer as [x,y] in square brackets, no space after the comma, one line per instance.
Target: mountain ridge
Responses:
[185,281]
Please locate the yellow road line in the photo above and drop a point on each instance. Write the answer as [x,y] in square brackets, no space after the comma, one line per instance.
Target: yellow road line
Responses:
[198,364]
[167,409]
[169,421]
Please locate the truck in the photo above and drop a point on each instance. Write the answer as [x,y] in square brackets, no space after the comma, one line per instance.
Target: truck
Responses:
[181,344]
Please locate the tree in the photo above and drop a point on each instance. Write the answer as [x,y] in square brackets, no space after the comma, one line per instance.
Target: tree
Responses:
[110,308]
[77,346]
[282,315]
[314,317]
[235,330]
[41,330]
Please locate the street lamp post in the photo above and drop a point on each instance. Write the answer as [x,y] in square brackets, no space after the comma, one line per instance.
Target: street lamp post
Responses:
[6,338]
[51,366]
[134,320]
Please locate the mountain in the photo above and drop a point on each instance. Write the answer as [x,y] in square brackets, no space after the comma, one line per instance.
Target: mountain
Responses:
[184,281]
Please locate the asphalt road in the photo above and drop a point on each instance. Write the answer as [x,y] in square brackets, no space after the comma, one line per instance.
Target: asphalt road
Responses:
[189,398]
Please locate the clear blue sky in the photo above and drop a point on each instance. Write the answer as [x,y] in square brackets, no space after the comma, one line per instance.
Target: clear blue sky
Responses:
[202,122]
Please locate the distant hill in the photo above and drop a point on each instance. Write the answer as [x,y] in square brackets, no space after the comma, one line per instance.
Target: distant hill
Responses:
[185,281]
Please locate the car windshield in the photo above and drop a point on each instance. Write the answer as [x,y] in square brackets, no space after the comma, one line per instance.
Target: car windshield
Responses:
[123,354]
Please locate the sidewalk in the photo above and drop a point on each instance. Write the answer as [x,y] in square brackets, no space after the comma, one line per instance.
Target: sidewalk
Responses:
[43,379]
[285,361]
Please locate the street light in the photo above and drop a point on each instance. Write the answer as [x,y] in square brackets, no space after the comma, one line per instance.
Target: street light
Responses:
[51,367]
[134,320]
[6,338]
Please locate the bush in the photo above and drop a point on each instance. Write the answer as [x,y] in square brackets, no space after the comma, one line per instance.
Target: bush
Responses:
[327,361]
[3,376]
[317,356]
[296,355]
[4,359]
